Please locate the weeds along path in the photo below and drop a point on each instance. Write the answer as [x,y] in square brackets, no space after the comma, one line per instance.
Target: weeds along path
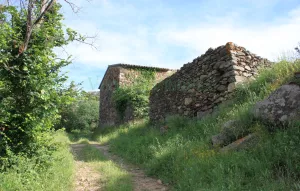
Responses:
[90,179]
[141,182]
[86,178]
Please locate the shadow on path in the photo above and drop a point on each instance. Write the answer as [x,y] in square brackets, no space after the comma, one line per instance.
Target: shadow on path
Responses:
[141,182]
[86,178]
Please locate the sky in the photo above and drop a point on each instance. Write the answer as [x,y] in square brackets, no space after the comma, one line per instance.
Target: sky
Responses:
[170,33]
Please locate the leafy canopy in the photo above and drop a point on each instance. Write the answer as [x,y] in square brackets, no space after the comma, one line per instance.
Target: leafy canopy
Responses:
[30,79]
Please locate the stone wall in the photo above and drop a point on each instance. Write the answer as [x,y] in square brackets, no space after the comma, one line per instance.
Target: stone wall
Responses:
[108,115]
[121,75]
[200,86]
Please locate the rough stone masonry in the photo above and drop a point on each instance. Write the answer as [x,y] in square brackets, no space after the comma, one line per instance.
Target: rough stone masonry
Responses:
[200,86]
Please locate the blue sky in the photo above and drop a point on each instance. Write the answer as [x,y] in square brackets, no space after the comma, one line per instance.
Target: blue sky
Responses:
[170,33]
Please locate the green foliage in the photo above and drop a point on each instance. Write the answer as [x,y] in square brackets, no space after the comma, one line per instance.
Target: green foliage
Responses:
[28,174]
[82,115]
[268,81]
[31,89]
[183,155]
[30,80]
[135,95]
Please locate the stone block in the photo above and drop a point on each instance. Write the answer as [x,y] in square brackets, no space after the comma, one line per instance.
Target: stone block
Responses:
[281,107]
[188,101]
[243,143]
[231,87]
[239,68]
[240,79]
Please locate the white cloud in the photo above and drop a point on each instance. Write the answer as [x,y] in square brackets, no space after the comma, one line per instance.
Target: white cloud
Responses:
[268,40]
[116,47]
[143,46]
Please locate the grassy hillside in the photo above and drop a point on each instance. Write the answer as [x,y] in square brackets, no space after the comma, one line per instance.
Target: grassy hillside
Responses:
[184,158]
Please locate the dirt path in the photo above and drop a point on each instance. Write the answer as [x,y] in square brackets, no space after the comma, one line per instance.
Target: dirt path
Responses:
[86,178]
[140,180]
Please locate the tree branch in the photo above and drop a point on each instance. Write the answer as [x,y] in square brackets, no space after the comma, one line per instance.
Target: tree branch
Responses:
[45,6]
[29,27]
[43,12]
[82,39]
[74,7]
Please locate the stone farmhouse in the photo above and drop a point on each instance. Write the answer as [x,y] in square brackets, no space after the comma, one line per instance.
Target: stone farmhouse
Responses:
[119,75]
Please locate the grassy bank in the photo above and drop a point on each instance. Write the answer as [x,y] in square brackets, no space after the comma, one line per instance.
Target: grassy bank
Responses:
[28,174]
[184,158]
[112,177]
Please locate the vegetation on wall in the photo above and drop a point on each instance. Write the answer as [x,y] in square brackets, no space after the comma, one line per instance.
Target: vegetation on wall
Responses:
[136,94]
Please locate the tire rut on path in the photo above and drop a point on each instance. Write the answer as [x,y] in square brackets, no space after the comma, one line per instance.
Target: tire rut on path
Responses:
[141,182]
[86,178]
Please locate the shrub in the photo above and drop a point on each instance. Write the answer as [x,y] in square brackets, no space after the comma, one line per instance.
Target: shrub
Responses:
[135,95]
[81,116]
[53,172]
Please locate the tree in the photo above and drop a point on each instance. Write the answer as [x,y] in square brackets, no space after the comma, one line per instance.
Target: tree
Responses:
[30,79]
[82,114]
[298,49]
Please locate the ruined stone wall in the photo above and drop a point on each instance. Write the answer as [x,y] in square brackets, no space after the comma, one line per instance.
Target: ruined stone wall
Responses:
[200,86]
[108,115]
[161,75]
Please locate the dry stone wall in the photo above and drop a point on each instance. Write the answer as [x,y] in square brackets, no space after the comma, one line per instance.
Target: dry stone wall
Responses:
[108,114]
[200,86]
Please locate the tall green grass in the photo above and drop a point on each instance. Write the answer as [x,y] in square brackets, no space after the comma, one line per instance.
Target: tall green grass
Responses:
[184,157]
[112,177]
[28,175]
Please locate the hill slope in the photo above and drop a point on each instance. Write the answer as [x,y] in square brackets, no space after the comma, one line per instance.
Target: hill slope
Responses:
[183,155]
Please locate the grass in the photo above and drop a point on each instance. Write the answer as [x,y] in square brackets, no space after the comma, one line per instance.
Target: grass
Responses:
[112,177]
[184,157]
[80,136]
[27,175]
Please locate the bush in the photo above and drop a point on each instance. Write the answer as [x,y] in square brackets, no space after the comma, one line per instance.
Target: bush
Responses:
[43,172]
[81,116]
[135,95]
